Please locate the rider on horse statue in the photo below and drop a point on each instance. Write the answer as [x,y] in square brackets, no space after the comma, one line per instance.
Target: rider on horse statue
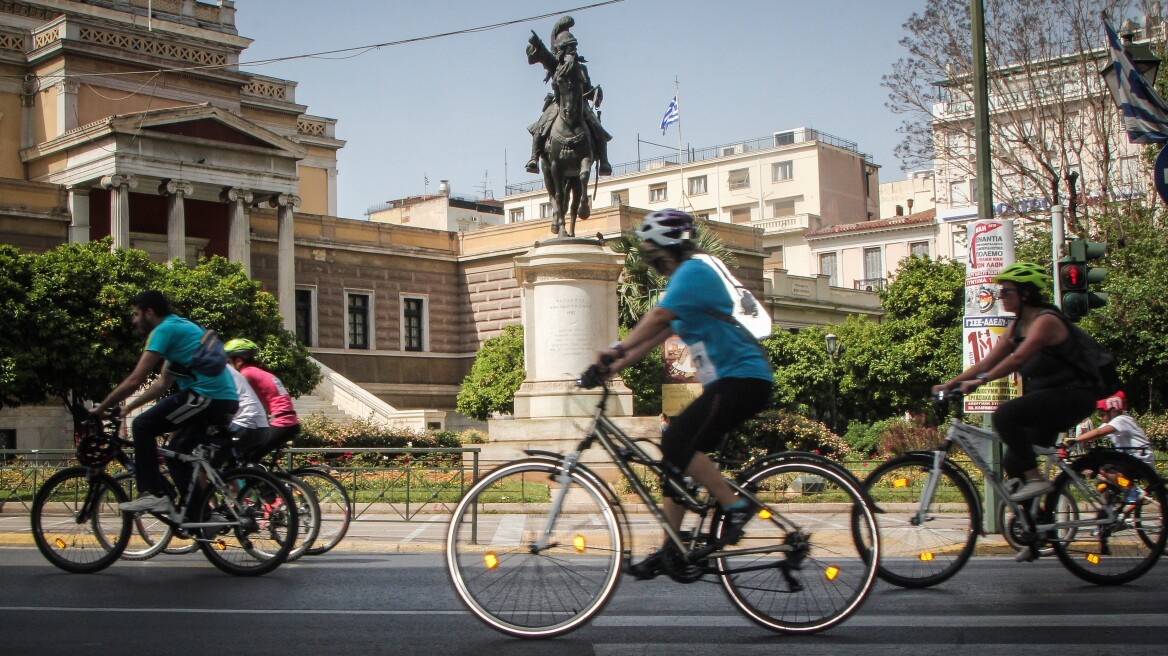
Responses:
[565,65]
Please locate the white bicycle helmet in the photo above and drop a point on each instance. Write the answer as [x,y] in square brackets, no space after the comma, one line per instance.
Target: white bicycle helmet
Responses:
[667,228]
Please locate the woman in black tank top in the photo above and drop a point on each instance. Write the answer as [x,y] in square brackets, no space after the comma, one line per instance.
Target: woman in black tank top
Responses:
[1041,349]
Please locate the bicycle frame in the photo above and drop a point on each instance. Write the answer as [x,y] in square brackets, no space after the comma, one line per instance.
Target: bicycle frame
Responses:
[200,466]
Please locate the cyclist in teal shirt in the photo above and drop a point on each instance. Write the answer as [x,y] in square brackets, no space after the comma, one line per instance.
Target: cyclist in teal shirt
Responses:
[734,372]
[200,401]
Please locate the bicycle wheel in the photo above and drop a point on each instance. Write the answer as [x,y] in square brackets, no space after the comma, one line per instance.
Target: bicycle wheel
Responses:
[254,526]
[1130,536]
[919,554]
[76,522]
[336,509]
[808,557]
[307,513]
[510,583]
[150,535]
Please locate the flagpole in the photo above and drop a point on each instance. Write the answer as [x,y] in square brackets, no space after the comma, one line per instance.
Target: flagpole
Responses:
[680,142]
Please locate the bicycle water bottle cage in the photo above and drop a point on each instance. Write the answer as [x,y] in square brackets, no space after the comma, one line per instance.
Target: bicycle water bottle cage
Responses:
[95,450]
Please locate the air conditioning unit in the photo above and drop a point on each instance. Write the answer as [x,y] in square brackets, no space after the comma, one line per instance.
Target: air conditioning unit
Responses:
[474,219]
[736,149]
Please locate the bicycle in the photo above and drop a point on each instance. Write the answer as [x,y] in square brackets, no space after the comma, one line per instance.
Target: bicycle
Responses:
[244,526]
[307,508]
[336,506]
[535,547]
[930,512]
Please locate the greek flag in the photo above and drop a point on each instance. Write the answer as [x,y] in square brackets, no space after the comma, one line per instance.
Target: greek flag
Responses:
[671,115]
[1145,114]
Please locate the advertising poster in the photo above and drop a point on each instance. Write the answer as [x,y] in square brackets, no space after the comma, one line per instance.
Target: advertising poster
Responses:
[680,386]
[991,249]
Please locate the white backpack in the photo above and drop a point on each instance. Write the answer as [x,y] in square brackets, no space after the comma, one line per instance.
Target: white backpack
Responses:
[748,312]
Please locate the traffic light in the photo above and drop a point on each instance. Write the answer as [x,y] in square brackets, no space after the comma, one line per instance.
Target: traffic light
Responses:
[1076,275]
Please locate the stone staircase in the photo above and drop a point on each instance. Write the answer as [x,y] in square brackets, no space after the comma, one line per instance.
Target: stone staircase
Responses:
[315,404]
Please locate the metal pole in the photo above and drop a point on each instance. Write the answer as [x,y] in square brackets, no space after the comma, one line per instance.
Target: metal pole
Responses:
[1057,237]
[981,114]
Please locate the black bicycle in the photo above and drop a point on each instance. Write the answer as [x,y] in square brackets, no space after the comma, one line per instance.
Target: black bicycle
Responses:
[535,547]
[244,520]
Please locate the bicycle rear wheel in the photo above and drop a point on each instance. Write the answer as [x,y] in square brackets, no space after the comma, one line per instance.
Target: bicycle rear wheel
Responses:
[76,523]
[1121,549]
[510,583]
[307,513]
[919,553]
[336,509]
[254,526]
[808,556]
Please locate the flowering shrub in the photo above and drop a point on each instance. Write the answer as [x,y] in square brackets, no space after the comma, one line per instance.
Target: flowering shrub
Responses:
[1155,427]
[319,431]
[780,430]
[902,435]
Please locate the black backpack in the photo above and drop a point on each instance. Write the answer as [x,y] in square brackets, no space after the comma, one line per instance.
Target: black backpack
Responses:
[209,358]
[1095,362]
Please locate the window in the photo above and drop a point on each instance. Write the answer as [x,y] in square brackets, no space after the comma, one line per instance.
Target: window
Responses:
[697,185]
[359,319]
[781,171]
[517,215]
[304,316]
[703,216]
[739,179]
[827,267]
[413,322]
[782,207]
[740,215]
[785,138]
[657,193]
[919,249]
[545,210]
[872,267]
[620,197]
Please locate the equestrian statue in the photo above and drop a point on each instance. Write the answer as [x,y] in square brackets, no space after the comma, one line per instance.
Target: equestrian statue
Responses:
[568,137]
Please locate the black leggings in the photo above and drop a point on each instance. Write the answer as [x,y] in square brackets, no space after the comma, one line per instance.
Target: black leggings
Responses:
[722,407]
[1036,418]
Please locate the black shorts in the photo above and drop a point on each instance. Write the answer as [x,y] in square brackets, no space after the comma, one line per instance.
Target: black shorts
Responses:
[721,408]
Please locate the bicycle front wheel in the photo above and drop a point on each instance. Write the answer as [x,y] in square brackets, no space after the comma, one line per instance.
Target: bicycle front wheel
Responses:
[336,509]
[1128,501]
[150,535]
[523,570]
[250,527]
[307,513]
[808,556]
[76,523]
[923,550]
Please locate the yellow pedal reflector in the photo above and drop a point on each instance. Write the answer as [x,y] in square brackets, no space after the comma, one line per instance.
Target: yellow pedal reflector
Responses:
[1093,558]
[764,514]
[900,482]
[60,543]
[1124,481]
[926,556]
[491,560]
[831,572]
[578,542]
[220,545]
[1101,487]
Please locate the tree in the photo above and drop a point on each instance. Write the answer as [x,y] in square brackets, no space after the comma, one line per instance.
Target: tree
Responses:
[495,376]
[1053,125]
[18,363]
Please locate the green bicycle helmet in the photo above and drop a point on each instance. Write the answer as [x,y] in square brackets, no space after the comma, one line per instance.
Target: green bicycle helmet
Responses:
[241,347]
[1025,272]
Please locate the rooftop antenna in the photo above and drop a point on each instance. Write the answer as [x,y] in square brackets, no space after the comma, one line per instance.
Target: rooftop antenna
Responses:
[485,188]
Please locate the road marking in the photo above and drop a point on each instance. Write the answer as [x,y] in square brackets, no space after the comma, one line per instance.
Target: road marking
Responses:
[421,529]
[868,649]
[510,531]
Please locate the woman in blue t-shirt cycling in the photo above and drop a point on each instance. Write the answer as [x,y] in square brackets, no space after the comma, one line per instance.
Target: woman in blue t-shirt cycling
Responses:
[733,370]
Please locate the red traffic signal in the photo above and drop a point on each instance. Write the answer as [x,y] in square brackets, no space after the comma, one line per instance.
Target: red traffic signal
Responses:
[1073,276]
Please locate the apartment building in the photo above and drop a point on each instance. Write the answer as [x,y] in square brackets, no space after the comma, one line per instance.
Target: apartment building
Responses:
[782,184]
[441,211]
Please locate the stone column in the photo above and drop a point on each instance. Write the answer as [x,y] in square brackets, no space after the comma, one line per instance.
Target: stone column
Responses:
[119,187]
[79,211]
[176,220]
[286,205]
[238,226]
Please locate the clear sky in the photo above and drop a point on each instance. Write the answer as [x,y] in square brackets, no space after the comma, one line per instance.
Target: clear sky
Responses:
[457,108]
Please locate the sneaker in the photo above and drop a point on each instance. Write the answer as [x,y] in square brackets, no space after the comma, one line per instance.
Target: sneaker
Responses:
[653,566]
[1031,489]
[1026,555]
[736,519]
[147,502]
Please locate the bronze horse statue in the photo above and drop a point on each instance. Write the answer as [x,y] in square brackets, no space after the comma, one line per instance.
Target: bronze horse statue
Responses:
[568,137]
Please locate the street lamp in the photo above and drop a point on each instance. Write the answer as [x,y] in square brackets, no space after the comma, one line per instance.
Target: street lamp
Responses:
[1144,59]
[833,348]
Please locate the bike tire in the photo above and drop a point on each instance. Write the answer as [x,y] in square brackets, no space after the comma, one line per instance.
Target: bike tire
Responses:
[150,535]
[307,513]
[69,513]
[1122,550]
[499,574]
[336,509]
[916,554]
[266,529]
[807,559]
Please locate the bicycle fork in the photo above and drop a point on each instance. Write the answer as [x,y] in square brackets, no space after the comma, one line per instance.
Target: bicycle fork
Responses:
[922,514]
[565,480]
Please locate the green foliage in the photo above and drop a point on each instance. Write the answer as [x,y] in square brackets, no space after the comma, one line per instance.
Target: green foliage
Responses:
[644,380]
[495,376]
[19,382]
[319,431]
[775,431]
[803,372]
[865,439]
[902,435]
[1155,427]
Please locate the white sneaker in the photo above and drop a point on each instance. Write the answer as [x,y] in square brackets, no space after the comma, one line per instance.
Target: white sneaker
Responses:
[1031,489]
[147,503]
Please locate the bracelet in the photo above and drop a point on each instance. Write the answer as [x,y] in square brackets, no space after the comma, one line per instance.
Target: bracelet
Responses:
[985,378]
[620,350]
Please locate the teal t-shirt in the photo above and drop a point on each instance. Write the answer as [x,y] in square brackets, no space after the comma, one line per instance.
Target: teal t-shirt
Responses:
[719,349]
[176,339]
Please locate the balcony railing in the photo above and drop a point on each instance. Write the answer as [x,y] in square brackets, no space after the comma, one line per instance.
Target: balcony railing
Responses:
[870,284]
[791,223]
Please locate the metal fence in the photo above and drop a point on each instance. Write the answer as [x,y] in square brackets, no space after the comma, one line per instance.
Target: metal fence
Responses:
[405,483]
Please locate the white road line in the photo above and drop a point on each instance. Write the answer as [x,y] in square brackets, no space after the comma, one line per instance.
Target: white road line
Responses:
[805,649]
[510,530]
[421,529]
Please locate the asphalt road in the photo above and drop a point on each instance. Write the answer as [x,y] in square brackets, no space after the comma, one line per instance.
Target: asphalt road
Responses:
[397,603]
